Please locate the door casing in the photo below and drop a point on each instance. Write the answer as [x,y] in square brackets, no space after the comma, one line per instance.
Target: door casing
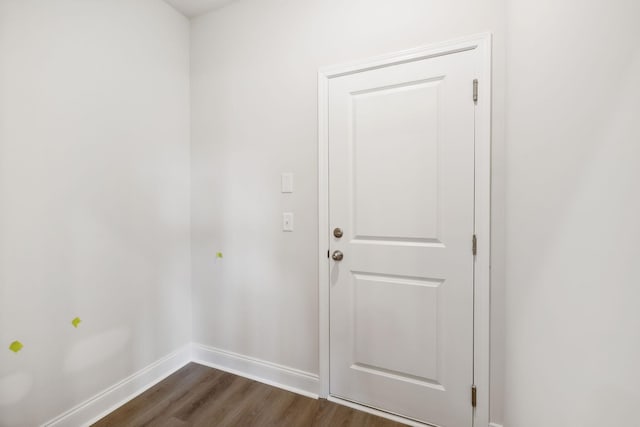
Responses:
[482,205]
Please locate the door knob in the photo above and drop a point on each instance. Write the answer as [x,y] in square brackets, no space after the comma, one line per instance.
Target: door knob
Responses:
[337,232]
[337,256]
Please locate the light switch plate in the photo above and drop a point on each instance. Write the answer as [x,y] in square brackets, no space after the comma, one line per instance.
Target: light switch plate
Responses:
[287,221]
[287,182]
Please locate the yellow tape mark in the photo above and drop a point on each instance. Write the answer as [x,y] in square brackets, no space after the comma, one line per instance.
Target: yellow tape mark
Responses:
[75,322]
[219,255]
[16,346]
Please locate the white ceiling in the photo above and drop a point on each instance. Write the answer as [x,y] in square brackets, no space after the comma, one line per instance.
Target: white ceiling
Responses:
[192,8]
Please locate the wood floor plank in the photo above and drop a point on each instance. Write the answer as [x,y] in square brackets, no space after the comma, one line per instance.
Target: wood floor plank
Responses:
[172,422]
[202,395]
[182,400]
[273,413]
[198,396]
[324,414]
[246,412]
[151,402]
[219,408]
[300,411]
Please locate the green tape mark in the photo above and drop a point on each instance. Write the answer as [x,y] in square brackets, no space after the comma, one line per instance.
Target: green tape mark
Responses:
[219,255]
[75,322]
[16,346]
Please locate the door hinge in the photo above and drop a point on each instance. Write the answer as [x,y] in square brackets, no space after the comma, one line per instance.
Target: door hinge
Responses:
[475,91]
[474,245]
[474,396]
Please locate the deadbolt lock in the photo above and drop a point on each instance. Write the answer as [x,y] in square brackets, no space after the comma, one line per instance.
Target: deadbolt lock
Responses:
[337,232]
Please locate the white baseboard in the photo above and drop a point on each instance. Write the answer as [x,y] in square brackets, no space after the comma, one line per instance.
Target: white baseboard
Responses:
[284,377]
[120,393]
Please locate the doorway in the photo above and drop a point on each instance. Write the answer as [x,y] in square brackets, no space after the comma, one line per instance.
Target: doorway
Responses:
[404,233]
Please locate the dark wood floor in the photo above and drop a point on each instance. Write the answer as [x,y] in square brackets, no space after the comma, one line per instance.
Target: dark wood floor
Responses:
[200,396]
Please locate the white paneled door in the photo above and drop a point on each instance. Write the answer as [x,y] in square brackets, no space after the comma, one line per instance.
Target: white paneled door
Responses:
[401,217]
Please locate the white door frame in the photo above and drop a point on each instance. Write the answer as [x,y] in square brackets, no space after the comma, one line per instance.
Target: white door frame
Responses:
[482,273]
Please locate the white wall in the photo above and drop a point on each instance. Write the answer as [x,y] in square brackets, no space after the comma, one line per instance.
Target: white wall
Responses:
[94,190]
[573,210]
[94,193]
[254,115]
